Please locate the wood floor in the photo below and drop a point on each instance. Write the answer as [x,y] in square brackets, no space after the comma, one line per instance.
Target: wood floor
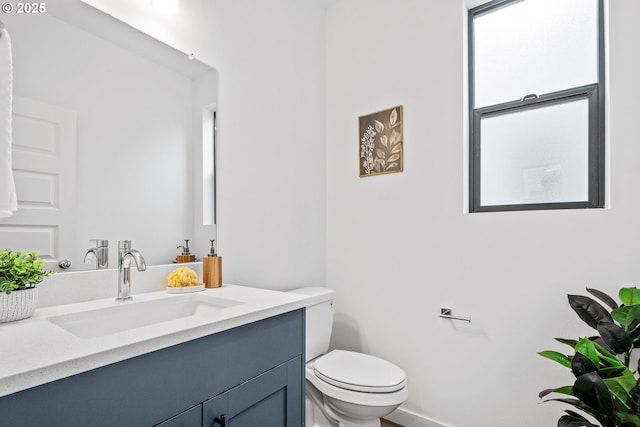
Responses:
[385,423]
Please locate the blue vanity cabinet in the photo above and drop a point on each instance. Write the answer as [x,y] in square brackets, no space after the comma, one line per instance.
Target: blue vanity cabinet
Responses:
[189,418]
[253,375]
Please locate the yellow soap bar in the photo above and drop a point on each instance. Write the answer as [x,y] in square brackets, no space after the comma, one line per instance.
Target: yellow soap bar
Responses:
[183,276]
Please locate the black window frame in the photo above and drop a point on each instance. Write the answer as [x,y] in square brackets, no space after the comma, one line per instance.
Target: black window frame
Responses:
[593,93]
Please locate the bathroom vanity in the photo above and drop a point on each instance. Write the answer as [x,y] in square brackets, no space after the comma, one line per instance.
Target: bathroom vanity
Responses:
[240,365]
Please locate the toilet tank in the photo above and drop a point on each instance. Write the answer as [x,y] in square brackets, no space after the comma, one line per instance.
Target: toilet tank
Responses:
[318,320]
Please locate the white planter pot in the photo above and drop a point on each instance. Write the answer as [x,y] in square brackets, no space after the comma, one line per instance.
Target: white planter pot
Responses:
[18,304]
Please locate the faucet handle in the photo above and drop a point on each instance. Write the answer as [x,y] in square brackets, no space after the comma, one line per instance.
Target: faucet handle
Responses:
[124,244]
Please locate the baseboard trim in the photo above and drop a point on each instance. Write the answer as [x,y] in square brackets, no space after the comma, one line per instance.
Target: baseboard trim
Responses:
[408,418]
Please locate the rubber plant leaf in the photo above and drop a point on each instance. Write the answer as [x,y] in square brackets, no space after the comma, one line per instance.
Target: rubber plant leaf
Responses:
[598,340]
[593,391]
[621,388]
[604,298]
[575,421]
[590,311]
[634,328]
[614,371]
[580,405]
[581,364]
[575,414]
[571,343]
[617,339]
[634,331]
[626,315]
[629,296]
[629,419]
[556,356]
[567,389]
[587,348]
[605,356]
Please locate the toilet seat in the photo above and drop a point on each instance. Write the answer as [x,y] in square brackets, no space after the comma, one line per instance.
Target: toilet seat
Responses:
[359,372]
[355,397]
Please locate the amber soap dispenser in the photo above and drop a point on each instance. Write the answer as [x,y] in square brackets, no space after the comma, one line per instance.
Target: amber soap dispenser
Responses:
[212,269]
[186,256]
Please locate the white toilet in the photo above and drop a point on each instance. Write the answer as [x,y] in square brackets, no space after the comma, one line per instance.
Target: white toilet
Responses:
[344,388]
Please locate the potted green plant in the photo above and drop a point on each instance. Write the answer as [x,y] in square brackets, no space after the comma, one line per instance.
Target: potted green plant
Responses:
[606,390]
[19,273]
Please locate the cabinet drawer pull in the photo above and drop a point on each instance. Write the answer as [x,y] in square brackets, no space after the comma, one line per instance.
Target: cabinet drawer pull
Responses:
[222,421]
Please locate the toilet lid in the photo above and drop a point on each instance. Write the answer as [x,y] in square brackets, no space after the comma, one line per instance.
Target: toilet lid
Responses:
[359,372]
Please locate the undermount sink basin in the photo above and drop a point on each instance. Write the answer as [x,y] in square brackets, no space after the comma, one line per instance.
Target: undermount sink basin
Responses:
[131,314]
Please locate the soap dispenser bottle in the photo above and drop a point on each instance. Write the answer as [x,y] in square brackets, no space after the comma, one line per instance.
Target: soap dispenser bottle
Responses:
[212,269]
[185,256]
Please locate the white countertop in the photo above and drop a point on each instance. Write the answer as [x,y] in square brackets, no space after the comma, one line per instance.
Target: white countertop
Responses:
[35,351]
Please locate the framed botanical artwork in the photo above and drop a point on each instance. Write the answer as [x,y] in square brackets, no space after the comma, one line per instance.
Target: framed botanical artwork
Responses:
[381,142]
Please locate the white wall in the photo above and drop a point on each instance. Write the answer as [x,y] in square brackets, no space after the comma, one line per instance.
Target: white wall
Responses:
[272,136]
[134,134]
[401,246]
[271,129]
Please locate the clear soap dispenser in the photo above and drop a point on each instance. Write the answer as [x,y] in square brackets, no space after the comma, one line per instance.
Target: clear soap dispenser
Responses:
[212,269]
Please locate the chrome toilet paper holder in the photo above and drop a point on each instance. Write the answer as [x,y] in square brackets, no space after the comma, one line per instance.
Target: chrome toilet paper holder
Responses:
[447,313]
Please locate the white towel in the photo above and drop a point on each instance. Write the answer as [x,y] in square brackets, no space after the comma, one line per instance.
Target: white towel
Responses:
[8,199]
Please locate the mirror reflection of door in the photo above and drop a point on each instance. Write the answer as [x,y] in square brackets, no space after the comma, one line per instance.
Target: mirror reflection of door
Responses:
[44,169]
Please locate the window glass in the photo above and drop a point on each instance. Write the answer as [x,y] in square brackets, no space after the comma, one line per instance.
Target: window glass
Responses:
[537,155]
[534,47]
[208,166]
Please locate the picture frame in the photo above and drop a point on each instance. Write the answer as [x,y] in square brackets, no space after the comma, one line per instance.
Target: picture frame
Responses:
[381,142]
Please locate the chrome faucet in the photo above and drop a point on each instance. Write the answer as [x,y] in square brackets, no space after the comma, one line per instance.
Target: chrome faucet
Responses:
[100,253]
[125,255]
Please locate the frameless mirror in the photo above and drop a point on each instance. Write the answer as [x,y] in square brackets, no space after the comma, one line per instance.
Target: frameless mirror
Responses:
[110,132]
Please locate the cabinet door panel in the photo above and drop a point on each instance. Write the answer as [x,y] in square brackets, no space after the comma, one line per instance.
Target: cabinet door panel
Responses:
[270,411]
[266,400]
